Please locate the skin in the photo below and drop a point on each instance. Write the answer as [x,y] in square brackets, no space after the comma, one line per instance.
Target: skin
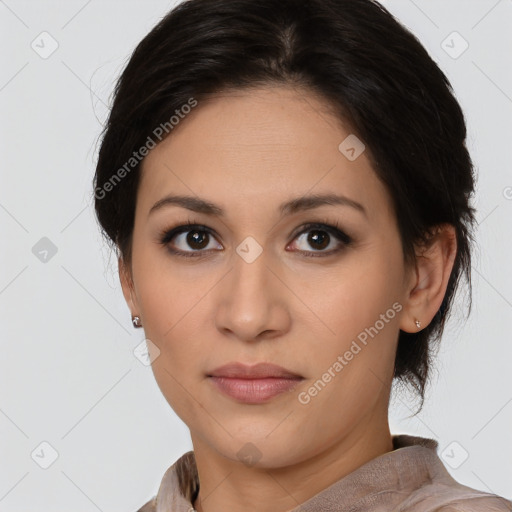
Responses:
[248,152]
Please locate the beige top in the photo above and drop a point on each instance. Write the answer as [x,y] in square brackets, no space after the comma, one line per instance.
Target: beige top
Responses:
[410,478]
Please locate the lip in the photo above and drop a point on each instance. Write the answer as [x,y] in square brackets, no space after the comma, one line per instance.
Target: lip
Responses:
[253,384]
[256,371]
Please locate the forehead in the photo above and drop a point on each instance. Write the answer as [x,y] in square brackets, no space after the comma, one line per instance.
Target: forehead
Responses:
[266,144]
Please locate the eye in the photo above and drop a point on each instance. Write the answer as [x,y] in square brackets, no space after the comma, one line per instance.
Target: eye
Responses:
[320,236]
[189,236]
[195,240]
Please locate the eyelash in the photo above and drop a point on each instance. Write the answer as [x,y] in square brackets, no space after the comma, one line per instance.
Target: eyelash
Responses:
[166,235]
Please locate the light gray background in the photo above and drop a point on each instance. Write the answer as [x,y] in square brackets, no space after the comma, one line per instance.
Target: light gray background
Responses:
[68,375]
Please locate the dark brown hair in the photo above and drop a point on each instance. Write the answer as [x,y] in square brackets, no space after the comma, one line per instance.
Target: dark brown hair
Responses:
[354,54]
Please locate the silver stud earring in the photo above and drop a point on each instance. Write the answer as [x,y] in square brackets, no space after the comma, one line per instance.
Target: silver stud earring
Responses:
[136,321]
[418,324]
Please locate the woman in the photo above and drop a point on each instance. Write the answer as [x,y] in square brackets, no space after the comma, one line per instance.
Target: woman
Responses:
[288,188]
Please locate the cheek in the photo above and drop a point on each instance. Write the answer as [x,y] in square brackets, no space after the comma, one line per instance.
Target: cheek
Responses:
[351,374]
[354,298]
[359,312]
[173,324]
[177,315]
[168,292]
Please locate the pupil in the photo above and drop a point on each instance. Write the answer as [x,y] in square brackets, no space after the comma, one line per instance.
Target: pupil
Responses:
[196,239]
[315,237]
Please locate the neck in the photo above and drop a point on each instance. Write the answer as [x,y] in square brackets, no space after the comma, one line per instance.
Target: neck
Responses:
[226,484]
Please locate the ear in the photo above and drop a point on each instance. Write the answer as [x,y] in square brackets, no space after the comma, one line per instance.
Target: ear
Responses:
[125,276]
[427,286]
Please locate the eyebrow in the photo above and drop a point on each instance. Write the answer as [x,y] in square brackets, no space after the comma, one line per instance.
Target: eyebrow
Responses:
[304,203]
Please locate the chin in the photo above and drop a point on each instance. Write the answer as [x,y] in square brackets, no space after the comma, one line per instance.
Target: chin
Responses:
[259,451]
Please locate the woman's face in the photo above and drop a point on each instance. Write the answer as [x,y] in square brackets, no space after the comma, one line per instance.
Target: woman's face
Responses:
[256,284]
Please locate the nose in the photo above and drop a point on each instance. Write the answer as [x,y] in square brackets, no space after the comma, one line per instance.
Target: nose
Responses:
[252,304]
